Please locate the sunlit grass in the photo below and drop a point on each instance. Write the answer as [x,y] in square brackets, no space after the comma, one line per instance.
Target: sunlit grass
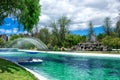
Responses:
[11,71]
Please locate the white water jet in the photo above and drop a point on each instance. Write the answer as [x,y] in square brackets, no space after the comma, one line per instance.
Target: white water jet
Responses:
[27,43]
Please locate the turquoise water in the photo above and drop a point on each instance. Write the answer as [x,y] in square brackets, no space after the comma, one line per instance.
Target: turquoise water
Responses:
[66,67]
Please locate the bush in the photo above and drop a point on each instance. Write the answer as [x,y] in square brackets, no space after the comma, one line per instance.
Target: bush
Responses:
[56,48]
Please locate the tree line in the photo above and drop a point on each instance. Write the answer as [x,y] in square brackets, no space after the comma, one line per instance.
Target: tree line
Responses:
[111,35]
[60,36]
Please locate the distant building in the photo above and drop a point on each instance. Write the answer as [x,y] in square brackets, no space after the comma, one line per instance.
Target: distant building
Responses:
[4,37]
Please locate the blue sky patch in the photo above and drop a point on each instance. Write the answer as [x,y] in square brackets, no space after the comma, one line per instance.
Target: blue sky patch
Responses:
[97,30]
[11,26]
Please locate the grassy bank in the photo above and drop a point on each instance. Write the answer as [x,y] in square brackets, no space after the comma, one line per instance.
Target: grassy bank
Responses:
[11,71]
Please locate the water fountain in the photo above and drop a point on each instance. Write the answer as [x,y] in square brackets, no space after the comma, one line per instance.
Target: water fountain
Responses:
[27,43]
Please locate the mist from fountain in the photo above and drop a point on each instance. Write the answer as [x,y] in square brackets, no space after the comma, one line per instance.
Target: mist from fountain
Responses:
[27,43]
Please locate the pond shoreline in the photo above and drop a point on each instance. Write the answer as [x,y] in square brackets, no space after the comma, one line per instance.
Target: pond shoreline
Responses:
[38,76]
[87,54]
[82,54]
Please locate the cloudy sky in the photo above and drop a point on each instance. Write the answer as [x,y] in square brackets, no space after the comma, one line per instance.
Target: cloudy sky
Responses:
[79,11]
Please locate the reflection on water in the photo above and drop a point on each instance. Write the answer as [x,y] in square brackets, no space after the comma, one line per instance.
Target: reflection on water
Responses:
[63,67]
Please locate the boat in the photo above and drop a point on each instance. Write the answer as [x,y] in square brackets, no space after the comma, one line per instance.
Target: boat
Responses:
[30,61]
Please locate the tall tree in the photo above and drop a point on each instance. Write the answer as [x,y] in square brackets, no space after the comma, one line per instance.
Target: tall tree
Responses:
[44,35]
[59,29]
[63,23]
[26,11]
[107,26]
[117,29]
[55,39]
[2,43]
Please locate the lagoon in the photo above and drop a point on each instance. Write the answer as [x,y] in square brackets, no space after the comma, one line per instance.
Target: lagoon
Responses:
[70,67]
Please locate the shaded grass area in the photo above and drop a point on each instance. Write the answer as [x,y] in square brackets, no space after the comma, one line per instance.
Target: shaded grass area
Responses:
[11,71]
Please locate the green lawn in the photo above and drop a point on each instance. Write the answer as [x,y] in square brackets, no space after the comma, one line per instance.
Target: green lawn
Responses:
[11,71]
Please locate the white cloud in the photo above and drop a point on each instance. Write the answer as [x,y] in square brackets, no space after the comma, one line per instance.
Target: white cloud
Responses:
[8,31]
[2,30]
[79,11]
[78,26]
[15,30]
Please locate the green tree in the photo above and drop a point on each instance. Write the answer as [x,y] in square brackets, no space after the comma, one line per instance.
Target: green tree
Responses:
[44,35]
[117,28]
[107,42]
[63,24]
[115,43]
[59,29]
[107,26]
[72,39]
[15,36]
[100,36]
[55,37]
[2,43]
[26,11]
[111,42]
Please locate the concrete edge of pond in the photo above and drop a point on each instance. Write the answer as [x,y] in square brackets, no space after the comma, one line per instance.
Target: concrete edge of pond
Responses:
[38,76]
[85,54]
[77,53]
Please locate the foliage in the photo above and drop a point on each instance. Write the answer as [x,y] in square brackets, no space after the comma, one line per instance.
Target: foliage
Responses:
[15,36]
[107,41]
[44,35]
[107,26]
[56,48]
[117,29]
[100,36]
[55,37]
[112,42]
[71,40]
[115,42]
[2,42]
[63,23]
[26,11]
[59,30]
